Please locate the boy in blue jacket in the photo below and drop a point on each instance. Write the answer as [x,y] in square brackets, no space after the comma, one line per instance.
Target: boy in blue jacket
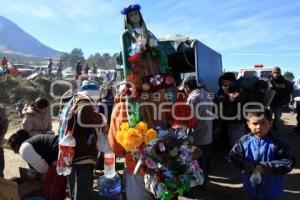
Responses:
[263,159]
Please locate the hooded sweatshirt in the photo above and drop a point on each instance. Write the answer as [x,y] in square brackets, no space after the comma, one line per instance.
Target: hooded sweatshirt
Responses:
[283,91]
[84,120]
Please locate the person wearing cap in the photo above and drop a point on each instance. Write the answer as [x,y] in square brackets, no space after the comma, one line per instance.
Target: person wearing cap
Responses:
[3,129]
[40,152]
[83,121]
[37,119]
[282,96]
[232,97]
[202,104]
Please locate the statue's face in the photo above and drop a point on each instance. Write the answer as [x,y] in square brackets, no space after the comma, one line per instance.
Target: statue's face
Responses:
[134,17]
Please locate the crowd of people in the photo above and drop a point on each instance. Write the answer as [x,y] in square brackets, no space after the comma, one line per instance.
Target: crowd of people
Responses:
[38,144]
[247,138]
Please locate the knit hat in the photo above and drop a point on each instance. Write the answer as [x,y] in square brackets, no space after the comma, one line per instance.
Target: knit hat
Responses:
[90,89]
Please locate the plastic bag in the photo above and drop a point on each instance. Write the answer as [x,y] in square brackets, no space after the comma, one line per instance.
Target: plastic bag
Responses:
[255,178]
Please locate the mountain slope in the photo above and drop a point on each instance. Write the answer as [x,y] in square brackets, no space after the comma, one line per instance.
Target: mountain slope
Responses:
[13,40]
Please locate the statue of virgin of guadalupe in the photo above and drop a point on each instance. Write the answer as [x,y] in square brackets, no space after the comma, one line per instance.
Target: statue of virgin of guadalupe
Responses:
[146,68]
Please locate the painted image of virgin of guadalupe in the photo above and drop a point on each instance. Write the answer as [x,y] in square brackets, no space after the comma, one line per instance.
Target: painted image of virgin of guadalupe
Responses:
[146,67]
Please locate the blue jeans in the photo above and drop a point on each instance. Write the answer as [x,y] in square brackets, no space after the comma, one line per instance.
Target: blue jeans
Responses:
[277,111]
[80,182]
[1,161]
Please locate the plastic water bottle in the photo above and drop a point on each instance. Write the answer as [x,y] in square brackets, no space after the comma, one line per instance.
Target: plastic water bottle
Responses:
[110,188]
[109,165]
[65,155]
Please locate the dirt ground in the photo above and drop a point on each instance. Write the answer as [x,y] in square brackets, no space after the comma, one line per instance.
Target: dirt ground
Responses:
[225,180]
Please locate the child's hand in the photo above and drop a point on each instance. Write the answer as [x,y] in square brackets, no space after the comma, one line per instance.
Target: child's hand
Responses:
[233,96]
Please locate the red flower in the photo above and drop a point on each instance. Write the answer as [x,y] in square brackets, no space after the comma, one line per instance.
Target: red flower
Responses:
[183,111]
[135,58]
[169,80]
[136,63]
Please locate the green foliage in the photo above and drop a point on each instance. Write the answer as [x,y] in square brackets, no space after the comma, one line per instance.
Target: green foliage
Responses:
[70,59]
[289,76]
[105,61]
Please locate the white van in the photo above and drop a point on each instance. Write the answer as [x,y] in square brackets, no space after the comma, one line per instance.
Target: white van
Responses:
[258,71]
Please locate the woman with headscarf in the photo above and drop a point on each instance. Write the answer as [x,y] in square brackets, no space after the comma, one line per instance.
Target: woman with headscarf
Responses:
[37,119]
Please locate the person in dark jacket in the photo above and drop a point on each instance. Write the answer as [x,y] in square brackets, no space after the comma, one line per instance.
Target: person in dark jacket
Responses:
[282,97]
[50,66]
[86,69]
[40,152]
[263,159]
[232,98]
[78,70]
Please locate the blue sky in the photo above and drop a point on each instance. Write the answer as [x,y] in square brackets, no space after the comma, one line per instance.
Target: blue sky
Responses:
[245,32]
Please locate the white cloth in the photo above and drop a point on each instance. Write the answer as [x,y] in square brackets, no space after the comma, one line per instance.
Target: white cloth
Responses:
[28,153]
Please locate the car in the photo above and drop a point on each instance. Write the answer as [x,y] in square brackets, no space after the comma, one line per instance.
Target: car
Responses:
[68,72]
[21,70]
[54,70]
[42,69]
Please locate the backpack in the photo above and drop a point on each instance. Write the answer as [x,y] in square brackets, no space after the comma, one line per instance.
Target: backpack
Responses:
[64,118]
